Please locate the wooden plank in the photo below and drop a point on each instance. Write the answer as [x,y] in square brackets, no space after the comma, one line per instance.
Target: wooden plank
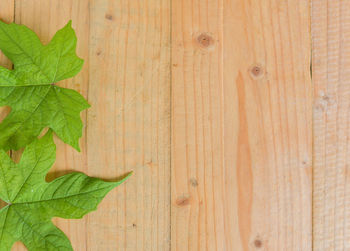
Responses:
[331,77]
[267,121]
[197,127]
[241,105]
[129,123]
[241,125]
[45,18]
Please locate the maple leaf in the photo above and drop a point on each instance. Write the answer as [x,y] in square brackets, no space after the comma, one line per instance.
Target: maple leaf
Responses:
[30,89]
[32,202]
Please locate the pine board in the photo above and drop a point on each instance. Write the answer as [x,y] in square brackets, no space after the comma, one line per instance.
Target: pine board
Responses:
[209,102]
[331,77]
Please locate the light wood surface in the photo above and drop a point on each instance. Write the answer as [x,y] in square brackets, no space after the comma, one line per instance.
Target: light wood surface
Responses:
[241,125]
[126,79]
[331,77]
[198,191]
[128,125]
[210,103]
[268,134]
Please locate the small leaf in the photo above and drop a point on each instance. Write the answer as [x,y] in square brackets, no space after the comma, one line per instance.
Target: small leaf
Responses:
[31,91]
[32,202]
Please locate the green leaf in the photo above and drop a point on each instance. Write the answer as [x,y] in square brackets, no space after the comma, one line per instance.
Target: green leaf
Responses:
[32,202]
[30,89]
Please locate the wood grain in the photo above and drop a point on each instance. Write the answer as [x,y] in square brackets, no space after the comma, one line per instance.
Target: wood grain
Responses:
[229,82]
[129,123]
[197,131]
[241,125]
[267,125]
[126,77]
[331,77]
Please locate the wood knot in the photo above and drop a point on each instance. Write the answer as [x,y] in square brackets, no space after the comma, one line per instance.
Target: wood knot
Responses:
[204,40]
[323,102]
[305,163]
[256,71]
[182,200]
[109,17]
[326,99]
[194,182]
[258,243]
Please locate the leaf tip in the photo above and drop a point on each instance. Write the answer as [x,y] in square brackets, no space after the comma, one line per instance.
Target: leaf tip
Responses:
[126,176]
[121,179]
[76,147]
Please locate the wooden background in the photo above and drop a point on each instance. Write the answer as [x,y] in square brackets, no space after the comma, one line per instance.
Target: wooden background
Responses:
[211,103]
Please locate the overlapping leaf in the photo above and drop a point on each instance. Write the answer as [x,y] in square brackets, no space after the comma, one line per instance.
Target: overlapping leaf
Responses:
[32,202]
[30,89]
